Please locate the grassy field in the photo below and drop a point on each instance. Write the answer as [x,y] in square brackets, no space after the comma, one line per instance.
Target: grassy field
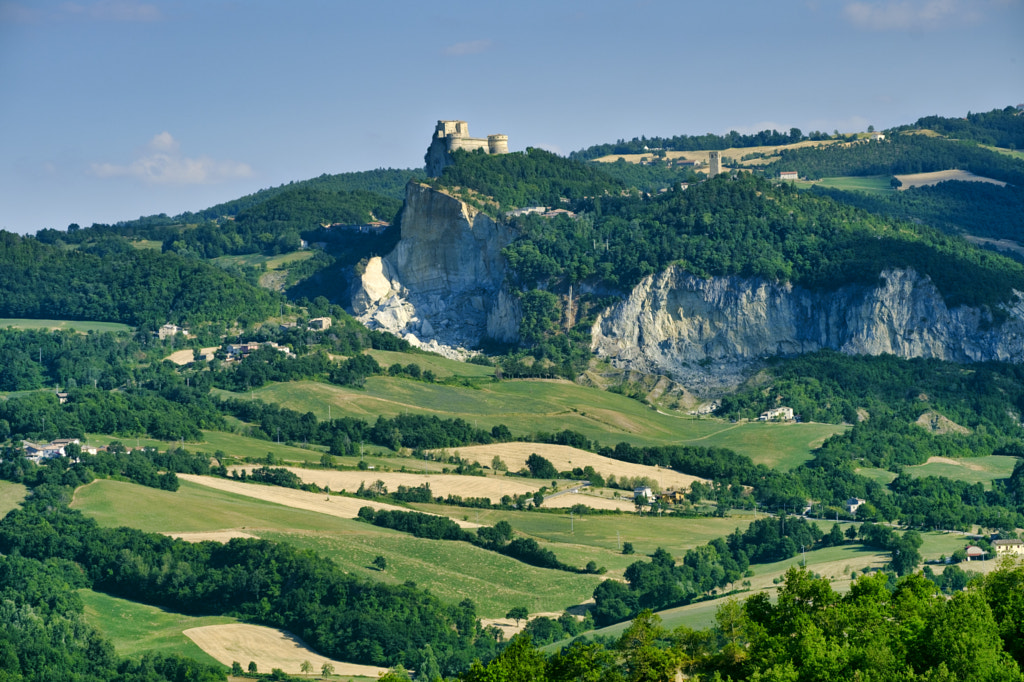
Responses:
[970,470]
[440,366]
[135,628]
[147,244]
[11,495]
[530,406]
[77,325]
[453,571]
[272,262]
[882,476]
[231,444]
[865,183]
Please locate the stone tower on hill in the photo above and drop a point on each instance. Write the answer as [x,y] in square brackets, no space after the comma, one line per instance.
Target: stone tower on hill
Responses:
[452,135]
[714,164]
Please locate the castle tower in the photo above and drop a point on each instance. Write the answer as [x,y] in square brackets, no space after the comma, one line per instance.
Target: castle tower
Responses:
[714,164]
[497,144]
[451,135]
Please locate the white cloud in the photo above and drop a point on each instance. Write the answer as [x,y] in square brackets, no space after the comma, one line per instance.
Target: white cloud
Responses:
[114,10]
[471,47]
[891,15]
[164,165]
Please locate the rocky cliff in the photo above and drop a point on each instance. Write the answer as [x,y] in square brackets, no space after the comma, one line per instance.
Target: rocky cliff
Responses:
[712,333]
[445,280]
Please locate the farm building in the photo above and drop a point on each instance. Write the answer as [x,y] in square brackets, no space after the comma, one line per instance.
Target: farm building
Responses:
[777,414]
[320,323]
[1005,547]
[975,553]
[789,175]
[643,493]
[853,504]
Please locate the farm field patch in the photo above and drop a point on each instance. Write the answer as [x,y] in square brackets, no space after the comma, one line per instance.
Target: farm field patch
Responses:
[566,458]
[11,495]
[859,183]
[972,470]
[934,178]
[63,325]
[135,628]
[442,367]
[330,505]
[268,648]
[531,406]
[232,444]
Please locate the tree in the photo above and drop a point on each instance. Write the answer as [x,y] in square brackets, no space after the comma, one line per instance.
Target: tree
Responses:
[252,667]
[627,548]
[429,670]
[306,667]
[236,668]
[380,563]
[327,669]
[538,498]
[540,467]
[518,613]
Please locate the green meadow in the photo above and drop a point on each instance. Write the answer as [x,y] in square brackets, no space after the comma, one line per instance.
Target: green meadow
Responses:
[854,183]
[440,366]
[530,406]
[11,495]
[272,262]
[136,628]
[970,470]
[76,325]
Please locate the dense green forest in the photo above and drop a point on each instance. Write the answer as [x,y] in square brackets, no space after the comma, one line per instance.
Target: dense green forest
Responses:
[882,629]
[976,208]
[999,127]
[110,281]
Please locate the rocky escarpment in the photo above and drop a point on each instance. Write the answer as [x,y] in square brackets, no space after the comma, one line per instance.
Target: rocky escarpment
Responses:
[445,280]
[710,334]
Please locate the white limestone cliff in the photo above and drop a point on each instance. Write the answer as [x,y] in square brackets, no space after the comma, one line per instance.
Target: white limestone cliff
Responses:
[444,281]
[710,334]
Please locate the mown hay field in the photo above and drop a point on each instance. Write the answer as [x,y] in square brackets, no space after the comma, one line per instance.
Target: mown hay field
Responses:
[63,325]
[565,458]
[330,505]
[934,178]
[269,649]
[970,470]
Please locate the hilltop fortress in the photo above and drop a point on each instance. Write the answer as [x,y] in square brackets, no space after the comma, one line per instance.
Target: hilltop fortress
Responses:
[452,135]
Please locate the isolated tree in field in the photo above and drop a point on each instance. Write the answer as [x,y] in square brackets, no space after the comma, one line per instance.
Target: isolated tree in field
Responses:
[380,563]
[518,613]
[627,548]
[236,668]
[497,464]
[327,669]
[306,667]
[252,667]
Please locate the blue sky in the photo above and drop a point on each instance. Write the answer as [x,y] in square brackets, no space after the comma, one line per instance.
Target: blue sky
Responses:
[112,109]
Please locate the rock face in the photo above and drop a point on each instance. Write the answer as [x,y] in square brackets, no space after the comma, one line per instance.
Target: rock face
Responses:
[710,334]
[445,280]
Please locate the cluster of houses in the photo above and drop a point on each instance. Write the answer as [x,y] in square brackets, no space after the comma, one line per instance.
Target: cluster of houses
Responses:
[645,495]
[542,211]
[40,452]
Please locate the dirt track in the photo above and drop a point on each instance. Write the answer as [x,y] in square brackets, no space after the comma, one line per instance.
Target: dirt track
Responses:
[269,649]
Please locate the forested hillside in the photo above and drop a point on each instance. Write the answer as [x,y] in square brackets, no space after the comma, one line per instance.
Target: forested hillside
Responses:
[112,282]
[999,127]
[899,153]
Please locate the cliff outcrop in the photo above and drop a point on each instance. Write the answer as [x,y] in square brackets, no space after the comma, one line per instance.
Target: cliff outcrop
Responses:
[445,280]
[710,334]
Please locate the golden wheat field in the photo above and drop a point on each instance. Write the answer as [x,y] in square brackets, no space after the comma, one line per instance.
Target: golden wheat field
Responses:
[564,458]
[267,648]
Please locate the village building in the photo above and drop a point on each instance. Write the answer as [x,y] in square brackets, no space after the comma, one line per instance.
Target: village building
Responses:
[789,175]
[643,493]
[853,504]
[975,553]
[320,323]
[1008,547]
[876,137]
[777,414]
[168,330]
[238,351]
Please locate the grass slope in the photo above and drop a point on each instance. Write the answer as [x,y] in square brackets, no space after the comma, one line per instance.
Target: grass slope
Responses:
[974,470]
[531,406]
[78,325]
[11,495]
[135,628]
